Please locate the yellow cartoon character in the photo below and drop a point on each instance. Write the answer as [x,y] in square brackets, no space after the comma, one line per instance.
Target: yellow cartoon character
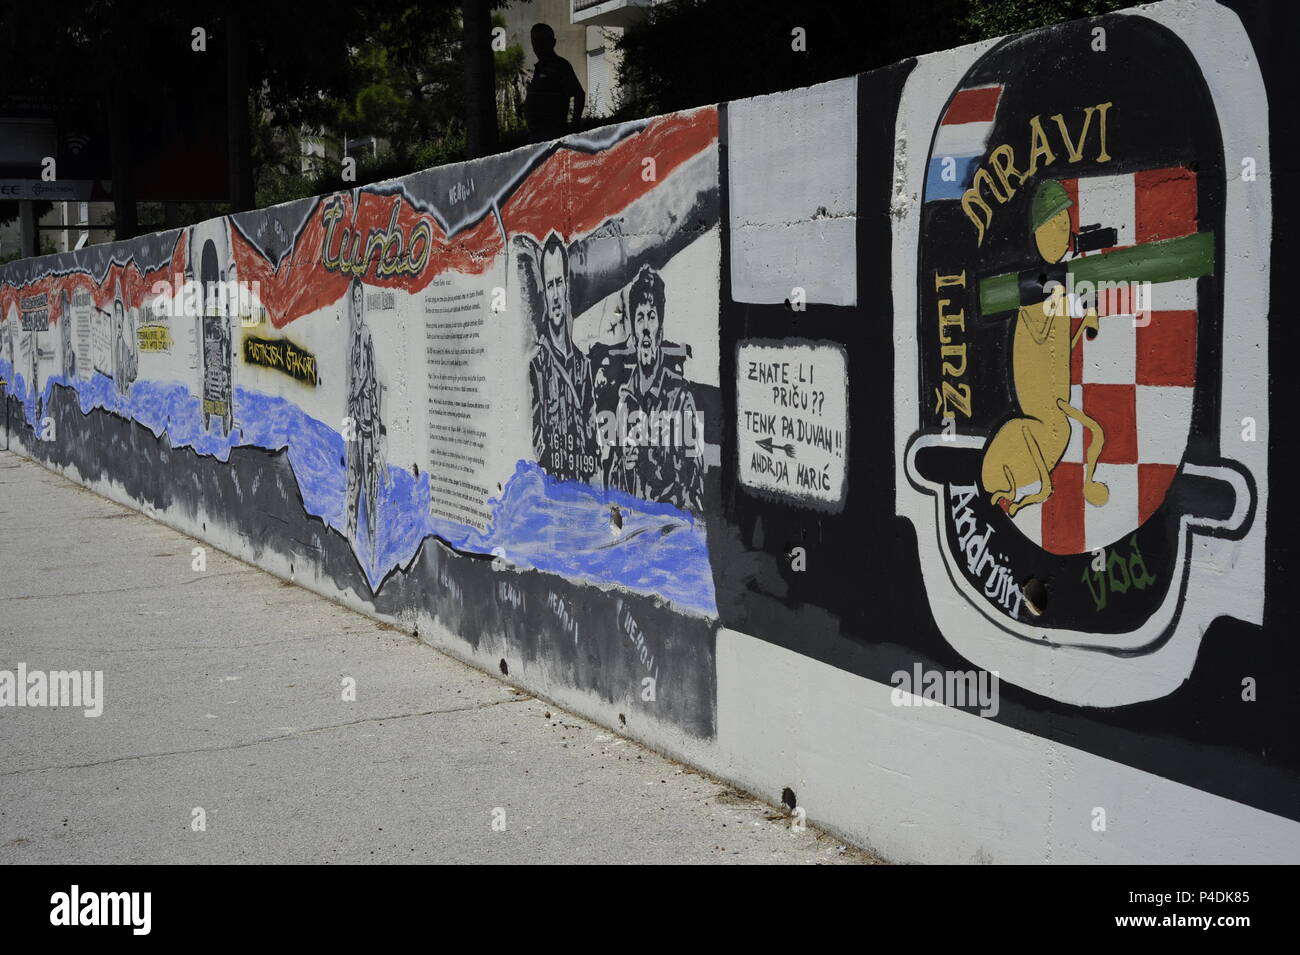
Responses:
[1025,450]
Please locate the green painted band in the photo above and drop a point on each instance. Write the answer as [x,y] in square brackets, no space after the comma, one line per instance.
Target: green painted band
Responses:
[1186,257]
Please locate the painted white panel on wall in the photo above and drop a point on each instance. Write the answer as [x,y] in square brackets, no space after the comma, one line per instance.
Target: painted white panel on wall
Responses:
[769,261]
[792,168]
[935,784]
[792,420]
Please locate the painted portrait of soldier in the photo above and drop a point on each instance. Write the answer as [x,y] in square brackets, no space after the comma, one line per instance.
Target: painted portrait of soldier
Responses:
[365,442]
[34,353]
[212,327]
[7,345]
[125,356]
[119,347]
[658,439]
[65,336]
[560,377]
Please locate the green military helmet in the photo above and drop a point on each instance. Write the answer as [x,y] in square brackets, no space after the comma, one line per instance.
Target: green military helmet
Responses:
[1050,199]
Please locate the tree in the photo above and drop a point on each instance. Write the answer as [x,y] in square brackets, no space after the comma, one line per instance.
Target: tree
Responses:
[238,142]
[114,61]
[694,52]
[510,72]
[480,80]
[404,79]
[84,61]
[403,83]
[989,18]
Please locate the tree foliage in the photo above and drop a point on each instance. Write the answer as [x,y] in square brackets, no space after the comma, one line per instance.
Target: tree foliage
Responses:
[395,68]
[984,19]
[694,52]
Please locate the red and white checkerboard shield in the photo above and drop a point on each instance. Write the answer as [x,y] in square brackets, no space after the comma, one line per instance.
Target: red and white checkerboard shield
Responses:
[1135,378]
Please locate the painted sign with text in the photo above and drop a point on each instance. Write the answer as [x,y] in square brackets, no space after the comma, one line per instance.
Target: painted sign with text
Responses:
[792,416]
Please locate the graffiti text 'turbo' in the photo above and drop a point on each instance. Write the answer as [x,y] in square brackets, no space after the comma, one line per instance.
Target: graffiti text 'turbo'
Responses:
[393,252]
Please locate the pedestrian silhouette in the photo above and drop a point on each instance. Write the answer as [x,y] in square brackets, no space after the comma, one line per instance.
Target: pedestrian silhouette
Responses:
[554,84]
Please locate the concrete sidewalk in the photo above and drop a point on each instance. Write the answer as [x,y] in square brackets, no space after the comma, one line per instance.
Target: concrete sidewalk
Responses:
[223,701]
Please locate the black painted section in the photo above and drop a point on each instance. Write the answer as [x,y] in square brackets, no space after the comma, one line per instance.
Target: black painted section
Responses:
[861,606]
[585,638]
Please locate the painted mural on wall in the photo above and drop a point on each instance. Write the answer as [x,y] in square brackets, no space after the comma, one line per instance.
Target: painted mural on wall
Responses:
[1070,308]
[601,396]
[394,343]
[622,415]
[1054,327]
[792,418]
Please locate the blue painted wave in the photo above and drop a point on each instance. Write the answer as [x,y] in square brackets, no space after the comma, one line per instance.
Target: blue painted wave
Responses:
[538,522]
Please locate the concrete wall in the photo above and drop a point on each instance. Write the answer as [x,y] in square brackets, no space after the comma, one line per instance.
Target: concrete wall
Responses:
[760,434]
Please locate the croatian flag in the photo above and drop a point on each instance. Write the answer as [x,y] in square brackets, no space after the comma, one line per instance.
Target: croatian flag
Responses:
[1135,378]
[959,146]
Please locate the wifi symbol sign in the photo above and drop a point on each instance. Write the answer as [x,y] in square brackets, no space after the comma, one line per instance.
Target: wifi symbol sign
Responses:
[76,142]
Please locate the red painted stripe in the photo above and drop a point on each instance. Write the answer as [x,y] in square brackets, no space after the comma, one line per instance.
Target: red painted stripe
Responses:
[973,106]
[1076,353]
[1114,407]
[1164,204]
[136,286]
[302,284]
[571,193]
[1153,484]
[1166,349]
[1121,301]
[1063,511]
[1072,190]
